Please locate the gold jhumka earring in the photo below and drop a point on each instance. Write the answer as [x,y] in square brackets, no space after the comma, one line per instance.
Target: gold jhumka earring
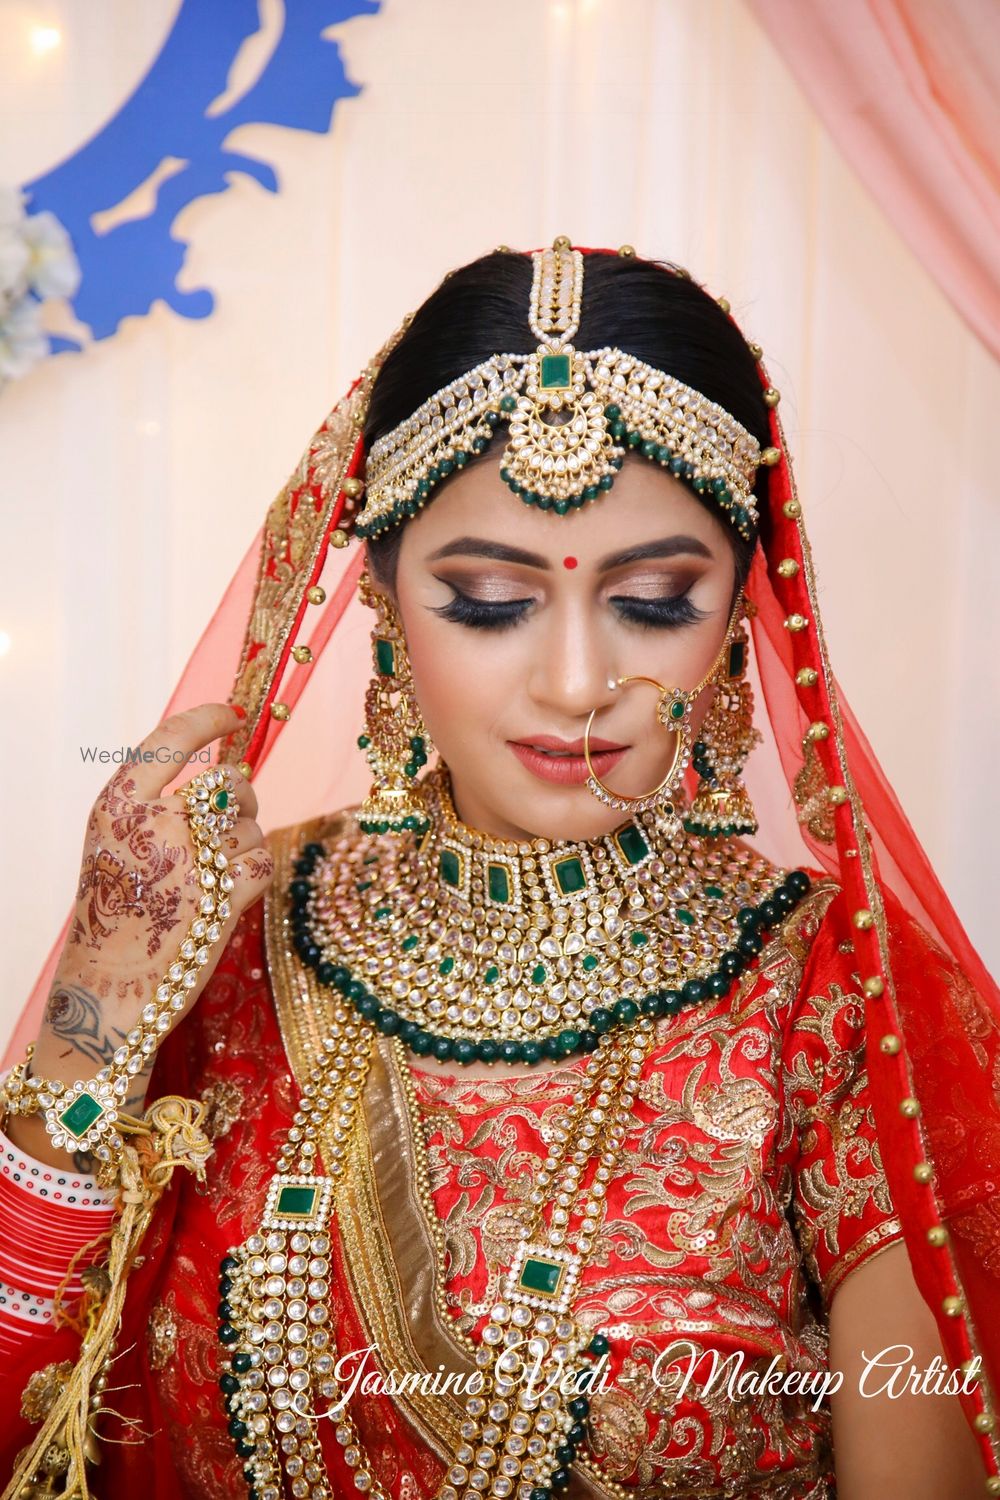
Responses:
[395,742]
[722,805]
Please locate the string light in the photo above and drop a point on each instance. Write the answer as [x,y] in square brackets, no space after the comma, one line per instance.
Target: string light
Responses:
[45,39]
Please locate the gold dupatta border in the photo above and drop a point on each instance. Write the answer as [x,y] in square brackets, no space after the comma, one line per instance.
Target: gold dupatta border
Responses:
[392,1240]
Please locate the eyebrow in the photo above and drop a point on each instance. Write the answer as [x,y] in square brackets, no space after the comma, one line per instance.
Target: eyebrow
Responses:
[475,546]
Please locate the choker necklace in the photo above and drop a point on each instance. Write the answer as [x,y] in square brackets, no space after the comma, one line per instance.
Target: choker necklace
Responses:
[471,948]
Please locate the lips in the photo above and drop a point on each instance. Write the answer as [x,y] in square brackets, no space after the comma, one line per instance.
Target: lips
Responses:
[561,762]
[569,747]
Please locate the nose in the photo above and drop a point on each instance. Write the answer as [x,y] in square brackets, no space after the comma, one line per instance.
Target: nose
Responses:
[574,669]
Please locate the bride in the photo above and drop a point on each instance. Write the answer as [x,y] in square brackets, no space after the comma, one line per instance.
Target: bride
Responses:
[555,1121]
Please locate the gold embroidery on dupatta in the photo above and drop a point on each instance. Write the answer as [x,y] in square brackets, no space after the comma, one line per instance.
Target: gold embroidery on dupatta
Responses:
[161,1335]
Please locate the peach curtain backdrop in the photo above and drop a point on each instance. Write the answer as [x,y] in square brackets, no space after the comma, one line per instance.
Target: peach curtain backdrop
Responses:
[910,93]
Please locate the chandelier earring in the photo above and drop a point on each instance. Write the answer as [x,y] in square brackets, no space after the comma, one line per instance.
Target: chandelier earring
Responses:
[722,805]
[395,742]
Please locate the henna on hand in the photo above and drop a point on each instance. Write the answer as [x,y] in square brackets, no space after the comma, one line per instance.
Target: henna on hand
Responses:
[128,870]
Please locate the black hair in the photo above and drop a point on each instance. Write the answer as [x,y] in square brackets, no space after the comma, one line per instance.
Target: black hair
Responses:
[647,308]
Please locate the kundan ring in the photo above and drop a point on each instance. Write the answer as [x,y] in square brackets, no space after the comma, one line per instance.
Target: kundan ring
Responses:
[211,801]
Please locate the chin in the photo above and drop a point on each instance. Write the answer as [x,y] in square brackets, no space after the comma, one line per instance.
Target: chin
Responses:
[570,813]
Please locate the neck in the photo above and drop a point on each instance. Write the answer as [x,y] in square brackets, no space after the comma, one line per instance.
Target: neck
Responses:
[453,811]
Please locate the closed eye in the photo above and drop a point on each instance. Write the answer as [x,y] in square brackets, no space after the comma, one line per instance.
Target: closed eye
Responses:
[668,612]
[480,614]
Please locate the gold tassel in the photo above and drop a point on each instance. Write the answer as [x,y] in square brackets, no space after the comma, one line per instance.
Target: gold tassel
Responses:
[67,1398]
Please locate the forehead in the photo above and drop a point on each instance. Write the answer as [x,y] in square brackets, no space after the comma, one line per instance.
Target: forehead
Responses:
[645,502]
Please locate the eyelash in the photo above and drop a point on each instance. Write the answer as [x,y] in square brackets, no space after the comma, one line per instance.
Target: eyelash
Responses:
[667,613]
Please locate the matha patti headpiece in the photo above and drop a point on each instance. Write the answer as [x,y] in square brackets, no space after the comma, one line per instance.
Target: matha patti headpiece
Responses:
[572,418]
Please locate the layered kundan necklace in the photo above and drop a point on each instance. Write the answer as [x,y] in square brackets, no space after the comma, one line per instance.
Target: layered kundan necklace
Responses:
[470,948]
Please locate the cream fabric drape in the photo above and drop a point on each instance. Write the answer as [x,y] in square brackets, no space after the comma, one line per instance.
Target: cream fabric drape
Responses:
[134,475]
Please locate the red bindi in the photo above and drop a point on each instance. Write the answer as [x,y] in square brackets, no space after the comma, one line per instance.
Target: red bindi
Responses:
[569,562]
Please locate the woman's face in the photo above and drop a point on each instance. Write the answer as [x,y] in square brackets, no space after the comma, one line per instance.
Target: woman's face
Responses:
[517,620]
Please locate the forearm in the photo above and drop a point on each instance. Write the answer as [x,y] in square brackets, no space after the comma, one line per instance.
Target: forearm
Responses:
[78,1038]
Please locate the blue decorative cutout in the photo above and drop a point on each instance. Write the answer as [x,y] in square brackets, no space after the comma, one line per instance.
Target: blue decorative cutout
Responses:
[137,262]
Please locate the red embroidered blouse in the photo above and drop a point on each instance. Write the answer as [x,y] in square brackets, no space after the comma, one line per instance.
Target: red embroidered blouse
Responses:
[752,1185]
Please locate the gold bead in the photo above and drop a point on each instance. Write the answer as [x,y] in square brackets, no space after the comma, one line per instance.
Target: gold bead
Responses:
[358,420]
[983,1422]
[280,711]
[874,988]
[937,1236]
[788,567]
[863,919]
[890,1044]
[302,654]
[807,677]
[408,319]
[772,396]
[909,1107]
[245,769]
[792,509]
[770,457]
[725,304]
[952,1306]
[317,594]
[755,350]
[837,795]
[626,251]
[339,538]
[796,622]
[923,1171]
[993,1485]
[682,272]
[502,250]
[818,731]
[353,487]
[562,242]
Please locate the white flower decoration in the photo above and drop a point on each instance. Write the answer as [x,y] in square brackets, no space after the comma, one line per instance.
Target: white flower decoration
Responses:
[53,269]
[14,258]
[22,339]
[36,262]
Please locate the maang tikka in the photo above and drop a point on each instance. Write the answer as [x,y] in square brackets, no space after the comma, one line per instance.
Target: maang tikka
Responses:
[722,805]
[395,742]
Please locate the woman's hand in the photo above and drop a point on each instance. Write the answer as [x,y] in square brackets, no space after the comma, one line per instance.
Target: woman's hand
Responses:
[137,895]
